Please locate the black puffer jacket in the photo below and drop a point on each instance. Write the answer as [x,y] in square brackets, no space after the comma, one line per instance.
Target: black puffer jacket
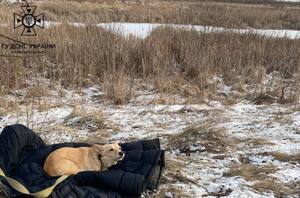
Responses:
[22,155]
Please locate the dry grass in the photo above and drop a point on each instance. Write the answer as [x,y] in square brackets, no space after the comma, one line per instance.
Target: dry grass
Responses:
[37,91]
[202,13]
[251,172]
[94,122]
[212,140]
[256,142]
[118,87]
[279,189]
[283,156]
[79,117]
[226,14]
[177,61]
[197,57]
[264,182]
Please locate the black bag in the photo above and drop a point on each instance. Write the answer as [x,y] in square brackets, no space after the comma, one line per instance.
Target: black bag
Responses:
[22,155]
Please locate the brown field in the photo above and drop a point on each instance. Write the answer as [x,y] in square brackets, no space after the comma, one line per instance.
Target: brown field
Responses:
[175,61]
[238,14]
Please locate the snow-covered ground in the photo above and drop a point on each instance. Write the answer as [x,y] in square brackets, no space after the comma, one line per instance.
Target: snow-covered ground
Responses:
[212,149]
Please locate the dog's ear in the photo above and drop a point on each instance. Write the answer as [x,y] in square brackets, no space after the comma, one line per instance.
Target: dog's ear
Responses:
[98,148]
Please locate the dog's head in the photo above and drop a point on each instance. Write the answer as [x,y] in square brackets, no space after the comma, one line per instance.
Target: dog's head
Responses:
[109,154]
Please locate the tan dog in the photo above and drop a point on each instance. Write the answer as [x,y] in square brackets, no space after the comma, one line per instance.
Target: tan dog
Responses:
[70,161]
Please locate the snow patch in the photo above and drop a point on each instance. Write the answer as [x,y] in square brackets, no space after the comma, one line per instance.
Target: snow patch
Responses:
[288,175]
[93,92]
[51,117]
[143,30]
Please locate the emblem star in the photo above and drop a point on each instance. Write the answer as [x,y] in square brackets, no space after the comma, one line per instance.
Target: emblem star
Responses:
[28,20]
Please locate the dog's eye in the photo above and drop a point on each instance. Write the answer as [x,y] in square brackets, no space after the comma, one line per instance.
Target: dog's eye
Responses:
[111,149]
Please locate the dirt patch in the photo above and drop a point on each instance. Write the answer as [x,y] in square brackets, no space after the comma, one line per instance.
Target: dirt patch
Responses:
[100,136]
[264,99]
[171,192]
[256,142]
[279,189]
[82,120]
[201,138]
[221,193]
[283,157]
[251,172]
[87,122]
